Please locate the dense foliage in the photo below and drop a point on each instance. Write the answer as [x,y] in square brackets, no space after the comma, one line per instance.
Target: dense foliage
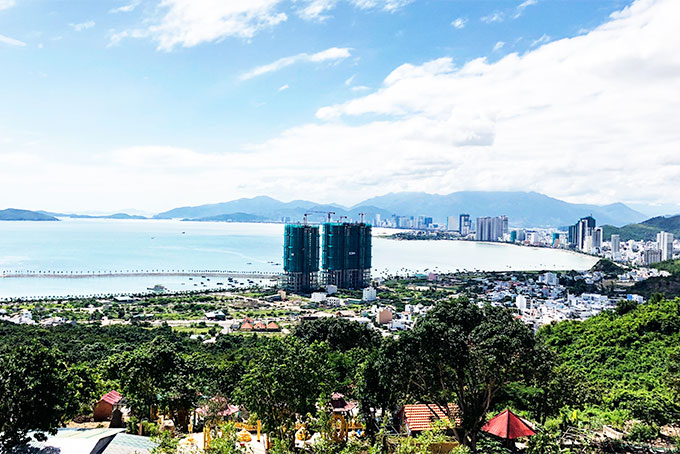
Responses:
[625,356]
[621,365]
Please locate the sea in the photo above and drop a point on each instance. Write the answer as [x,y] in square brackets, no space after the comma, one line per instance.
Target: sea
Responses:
[136,255]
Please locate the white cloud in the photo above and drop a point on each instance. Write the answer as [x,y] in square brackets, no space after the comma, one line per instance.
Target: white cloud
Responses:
[586,119]
[498,46]
[350,79]
[496,16]
[6,4]
[332,54]
[188,23]
[11,41]
[386,5]
[542,40]
[522,6]
[459,23]
[316,9]
[83,25]
[591,118]
[284,87]
[125,8]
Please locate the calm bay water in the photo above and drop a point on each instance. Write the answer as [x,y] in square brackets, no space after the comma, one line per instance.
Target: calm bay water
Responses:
[99,245]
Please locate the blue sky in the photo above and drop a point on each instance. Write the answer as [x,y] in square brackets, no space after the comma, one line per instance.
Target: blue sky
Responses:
[153,104]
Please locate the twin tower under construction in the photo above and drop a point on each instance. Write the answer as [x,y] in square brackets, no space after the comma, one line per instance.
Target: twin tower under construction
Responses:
[345,258]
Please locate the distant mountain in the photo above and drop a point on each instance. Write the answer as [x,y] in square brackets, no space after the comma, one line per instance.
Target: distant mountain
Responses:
[524,209]
[12,214]
[231,217]
[89,216]
[645,231]
[271,209]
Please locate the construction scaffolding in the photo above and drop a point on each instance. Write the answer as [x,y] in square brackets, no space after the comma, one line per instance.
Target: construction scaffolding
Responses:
[301,257]
[346,257]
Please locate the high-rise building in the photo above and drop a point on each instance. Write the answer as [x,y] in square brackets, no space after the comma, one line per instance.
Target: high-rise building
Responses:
[346,257]
[464,224]
[428,222]
[664,242]
[491,229]
[301,257]
[377,219]
[616,246]
[597,238]
[579,233]
[650,256]
[452,224]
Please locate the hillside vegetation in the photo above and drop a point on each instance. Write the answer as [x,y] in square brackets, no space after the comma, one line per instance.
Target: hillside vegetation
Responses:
[644,231]
[624,356]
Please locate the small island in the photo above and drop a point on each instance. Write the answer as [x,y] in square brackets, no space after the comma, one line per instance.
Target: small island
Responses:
[13,214]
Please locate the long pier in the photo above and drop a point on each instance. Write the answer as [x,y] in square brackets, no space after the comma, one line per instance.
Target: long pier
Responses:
[138,273]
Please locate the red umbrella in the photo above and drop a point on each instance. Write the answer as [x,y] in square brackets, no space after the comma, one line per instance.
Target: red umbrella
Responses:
[508,425]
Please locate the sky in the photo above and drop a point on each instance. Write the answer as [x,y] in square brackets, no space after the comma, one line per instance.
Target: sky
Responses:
[152,104]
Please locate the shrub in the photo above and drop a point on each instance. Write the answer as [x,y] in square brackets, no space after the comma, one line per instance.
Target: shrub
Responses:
[643,432]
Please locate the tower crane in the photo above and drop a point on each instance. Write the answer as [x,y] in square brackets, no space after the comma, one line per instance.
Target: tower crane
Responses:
[328,213]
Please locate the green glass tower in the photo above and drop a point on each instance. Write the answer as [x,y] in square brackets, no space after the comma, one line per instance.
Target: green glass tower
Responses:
[346,257]
[301,257]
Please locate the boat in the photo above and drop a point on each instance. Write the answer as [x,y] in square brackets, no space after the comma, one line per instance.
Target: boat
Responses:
[157,288]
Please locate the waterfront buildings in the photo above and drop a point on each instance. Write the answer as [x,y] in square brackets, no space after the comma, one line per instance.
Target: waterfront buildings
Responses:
[491,229]
[346,256]
[464,224]
[300,257]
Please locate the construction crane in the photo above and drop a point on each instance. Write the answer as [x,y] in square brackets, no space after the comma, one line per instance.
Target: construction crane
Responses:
[340,218]
[361,216]
[329,213]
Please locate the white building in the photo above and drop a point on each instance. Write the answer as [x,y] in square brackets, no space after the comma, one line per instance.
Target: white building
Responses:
[521,302]
[331,289]
[664,242]
[650,256]
[452,223]
[318,297]
[369,294]
[616,247]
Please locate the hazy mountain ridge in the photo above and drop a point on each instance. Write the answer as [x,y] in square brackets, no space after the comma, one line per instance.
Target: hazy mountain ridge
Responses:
[92,216]
[13,214]
[524,209]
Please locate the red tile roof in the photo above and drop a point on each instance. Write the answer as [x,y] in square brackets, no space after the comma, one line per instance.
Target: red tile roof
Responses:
[260,326]
[272,326]
[112,397]
[508,425]
[418,417]
[246,327]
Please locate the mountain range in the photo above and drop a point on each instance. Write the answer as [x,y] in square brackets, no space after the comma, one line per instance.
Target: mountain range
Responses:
[524,209]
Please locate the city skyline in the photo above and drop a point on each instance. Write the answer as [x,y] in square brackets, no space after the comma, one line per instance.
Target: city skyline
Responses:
[152,105]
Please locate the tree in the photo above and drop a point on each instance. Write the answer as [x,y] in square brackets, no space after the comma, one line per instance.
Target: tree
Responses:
[286,378]
[37,393]
[156,375]
[463,354]
[341,334]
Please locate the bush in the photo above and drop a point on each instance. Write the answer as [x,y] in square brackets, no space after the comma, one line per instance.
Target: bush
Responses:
[643,432]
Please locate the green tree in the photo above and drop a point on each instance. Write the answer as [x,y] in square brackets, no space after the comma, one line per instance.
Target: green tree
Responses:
[341,334]
[156,375]
[285,379]
[463,354]
[37,393]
